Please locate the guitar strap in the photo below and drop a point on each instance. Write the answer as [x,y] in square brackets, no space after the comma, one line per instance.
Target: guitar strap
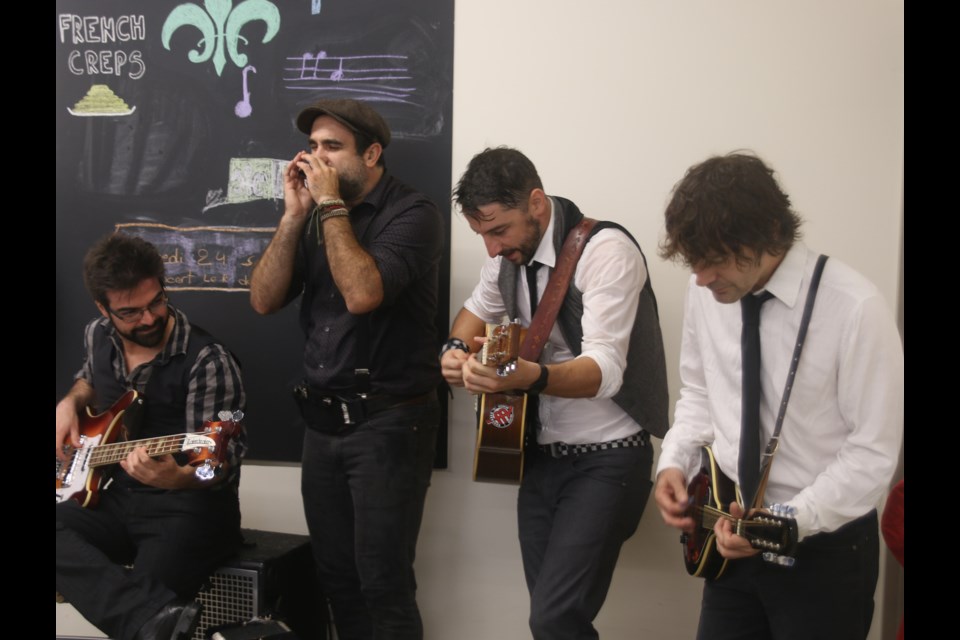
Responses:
[552,299]
[774,443]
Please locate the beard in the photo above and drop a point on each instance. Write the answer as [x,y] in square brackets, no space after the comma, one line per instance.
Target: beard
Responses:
[351,185]
[146,336]
[528,245]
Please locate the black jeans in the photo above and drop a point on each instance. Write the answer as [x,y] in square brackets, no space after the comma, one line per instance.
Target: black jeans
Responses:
[828,593]
[363,496]
[574,513]
[174,539]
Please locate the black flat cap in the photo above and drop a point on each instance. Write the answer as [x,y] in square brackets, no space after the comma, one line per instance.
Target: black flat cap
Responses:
[354,115]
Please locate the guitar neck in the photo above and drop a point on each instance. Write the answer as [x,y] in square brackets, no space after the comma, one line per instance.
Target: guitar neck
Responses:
[711,515]
[112,453]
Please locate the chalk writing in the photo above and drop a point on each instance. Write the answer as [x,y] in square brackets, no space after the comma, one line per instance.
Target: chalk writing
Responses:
[220,27]
[315,7]
[243,108]
[204,258]
[374,78]
[77,29]
[101,29]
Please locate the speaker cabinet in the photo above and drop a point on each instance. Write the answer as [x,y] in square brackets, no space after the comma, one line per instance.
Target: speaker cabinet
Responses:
[273,575]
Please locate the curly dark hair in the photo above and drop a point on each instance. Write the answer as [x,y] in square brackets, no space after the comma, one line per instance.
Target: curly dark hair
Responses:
[119,262]
[501,175]
[728,205]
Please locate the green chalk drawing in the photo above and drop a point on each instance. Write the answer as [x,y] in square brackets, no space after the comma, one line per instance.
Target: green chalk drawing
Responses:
[220,22]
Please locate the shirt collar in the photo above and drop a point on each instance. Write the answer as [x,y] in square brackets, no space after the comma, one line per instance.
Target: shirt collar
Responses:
[546,253]
[785,282]
[377,195]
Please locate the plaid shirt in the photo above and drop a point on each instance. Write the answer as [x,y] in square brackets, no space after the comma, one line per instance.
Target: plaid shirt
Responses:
[215,382]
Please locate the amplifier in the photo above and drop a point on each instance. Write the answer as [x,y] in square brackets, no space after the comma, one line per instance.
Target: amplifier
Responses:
[272,576]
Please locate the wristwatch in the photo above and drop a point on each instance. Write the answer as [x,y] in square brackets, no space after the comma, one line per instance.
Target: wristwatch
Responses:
[540,383]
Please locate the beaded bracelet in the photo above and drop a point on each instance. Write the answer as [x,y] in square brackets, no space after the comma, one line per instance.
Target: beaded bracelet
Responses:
[454,343]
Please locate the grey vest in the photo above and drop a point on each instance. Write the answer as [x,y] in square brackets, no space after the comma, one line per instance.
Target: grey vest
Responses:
[643,395]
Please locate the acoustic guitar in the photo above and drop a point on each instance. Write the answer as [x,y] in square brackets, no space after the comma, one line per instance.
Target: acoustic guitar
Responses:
[81,477]
[710,491]
[501,416]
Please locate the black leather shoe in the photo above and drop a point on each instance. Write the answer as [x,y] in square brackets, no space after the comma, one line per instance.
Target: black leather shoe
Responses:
[177,620]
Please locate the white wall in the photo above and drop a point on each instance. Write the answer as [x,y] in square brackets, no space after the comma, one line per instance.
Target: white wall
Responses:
[613,100]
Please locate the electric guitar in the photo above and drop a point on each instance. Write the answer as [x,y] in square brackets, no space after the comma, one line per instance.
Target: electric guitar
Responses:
[710,492]
[499,456]
[81,477]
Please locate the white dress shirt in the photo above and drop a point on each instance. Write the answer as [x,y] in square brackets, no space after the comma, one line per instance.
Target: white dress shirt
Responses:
[610,274]
[844,422]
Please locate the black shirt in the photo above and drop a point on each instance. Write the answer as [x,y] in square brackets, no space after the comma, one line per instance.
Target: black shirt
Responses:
[403,231]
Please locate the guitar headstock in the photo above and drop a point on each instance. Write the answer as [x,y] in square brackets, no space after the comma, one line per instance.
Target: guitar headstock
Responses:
[502,347]
[774,532]
[210,450]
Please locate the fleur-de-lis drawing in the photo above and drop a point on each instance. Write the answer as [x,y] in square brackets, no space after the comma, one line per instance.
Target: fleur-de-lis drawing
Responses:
[221,22]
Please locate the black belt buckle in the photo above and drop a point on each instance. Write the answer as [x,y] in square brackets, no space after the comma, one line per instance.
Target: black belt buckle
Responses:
[557,449]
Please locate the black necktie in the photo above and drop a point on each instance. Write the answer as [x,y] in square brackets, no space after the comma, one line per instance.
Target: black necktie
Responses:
[749,463]
[533,401]
[531,270]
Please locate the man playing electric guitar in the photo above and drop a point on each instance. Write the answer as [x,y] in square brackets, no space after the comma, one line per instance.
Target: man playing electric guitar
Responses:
[600,382]
[171,525]
[730,222]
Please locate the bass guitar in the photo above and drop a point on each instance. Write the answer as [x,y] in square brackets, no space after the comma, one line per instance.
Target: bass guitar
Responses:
[501,416]
[81,476]
[775,533]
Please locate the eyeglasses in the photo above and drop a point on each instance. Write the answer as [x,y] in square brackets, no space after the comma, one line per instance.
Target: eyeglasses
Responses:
[134,315]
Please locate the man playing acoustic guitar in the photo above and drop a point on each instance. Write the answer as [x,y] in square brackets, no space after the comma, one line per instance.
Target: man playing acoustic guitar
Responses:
[730,222]
[159,516]
[601,382]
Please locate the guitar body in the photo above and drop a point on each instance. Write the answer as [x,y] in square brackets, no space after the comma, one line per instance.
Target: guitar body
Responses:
[712,489]
[80,478]
[500,438]
[711,493]
[501,416]
[77,479]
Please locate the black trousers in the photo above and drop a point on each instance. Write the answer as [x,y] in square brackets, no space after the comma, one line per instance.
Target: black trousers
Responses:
[827,594]
[574,513]
[173,539]
[363,496]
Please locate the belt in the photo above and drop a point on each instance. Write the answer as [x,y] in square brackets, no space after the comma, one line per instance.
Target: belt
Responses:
[560,449]
[350,409]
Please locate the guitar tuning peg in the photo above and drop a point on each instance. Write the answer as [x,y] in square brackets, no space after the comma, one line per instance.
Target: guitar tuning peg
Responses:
[237,415]
[225,415]
[783,561]
[205,471]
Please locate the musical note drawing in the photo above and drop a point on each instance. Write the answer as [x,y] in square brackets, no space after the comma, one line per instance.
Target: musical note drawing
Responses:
[338,74]
[243,108]
[374,78]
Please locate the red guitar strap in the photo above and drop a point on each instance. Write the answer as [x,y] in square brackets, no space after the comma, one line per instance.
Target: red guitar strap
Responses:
[552,299]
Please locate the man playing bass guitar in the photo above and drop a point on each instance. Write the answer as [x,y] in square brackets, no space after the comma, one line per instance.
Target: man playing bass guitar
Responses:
[172,525]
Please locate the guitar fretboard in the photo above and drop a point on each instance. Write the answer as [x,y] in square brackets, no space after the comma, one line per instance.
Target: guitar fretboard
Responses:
[113,453]
[709,516]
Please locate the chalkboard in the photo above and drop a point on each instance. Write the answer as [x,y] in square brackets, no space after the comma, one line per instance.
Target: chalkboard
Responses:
[174,120]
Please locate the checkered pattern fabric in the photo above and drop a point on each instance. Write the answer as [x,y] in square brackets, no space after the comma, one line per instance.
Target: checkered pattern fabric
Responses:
[560,449]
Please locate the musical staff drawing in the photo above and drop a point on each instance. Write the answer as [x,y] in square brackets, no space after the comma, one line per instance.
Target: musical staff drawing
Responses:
[375,78]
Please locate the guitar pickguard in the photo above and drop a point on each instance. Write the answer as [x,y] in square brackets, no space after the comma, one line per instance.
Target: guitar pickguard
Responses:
[72,474]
